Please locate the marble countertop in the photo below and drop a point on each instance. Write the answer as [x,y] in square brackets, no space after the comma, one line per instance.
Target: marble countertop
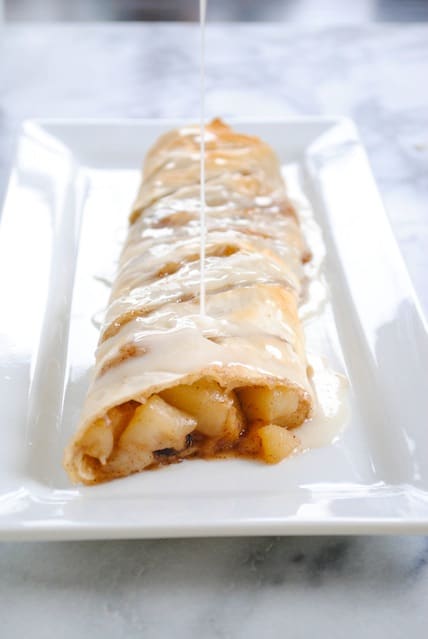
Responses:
[354,587]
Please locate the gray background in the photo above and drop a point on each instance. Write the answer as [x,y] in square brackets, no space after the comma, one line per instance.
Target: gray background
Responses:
[297,11]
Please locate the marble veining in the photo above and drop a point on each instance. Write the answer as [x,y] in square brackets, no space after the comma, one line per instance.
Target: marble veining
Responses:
[273,587]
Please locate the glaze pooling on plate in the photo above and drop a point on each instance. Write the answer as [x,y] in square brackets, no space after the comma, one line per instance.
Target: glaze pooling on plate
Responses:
[244,359]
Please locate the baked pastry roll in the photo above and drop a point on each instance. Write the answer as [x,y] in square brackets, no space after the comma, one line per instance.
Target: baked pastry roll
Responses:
[170,383]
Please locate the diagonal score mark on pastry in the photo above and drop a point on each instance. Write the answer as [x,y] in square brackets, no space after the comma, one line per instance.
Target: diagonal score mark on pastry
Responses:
[172,384]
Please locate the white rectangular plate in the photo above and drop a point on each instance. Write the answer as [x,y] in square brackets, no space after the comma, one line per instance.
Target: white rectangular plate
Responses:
[63,223]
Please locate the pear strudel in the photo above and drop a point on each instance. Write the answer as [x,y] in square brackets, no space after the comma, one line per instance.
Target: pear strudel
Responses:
[169,382]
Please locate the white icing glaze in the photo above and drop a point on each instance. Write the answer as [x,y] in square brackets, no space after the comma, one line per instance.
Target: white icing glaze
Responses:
[331,406]
[202,213]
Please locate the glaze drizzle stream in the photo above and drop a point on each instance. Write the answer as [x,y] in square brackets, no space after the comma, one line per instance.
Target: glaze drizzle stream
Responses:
[202,220]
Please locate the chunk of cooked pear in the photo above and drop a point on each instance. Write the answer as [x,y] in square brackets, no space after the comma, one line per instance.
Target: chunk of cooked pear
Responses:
[98,440]
[270,405]
[120,416]
[216,412]
[156,425]
[276,443]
